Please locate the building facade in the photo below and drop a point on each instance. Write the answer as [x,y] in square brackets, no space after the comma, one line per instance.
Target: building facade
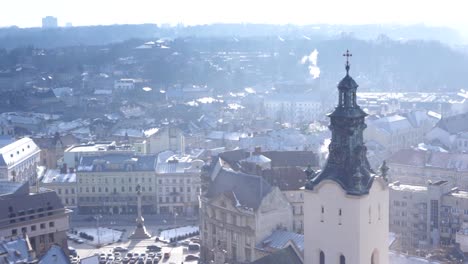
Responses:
[107,184]
[41,216]
[346,204]
[64,184]
[170,183]
[427,216]
[238,211]
[179,183]
[295,108]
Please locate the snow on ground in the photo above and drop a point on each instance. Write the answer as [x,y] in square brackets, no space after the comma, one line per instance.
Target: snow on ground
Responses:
[166,235]
[396,258]
[106,235]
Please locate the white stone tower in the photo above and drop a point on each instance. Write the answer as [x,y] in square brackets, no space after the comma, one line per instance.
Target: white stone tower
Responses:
[346,204]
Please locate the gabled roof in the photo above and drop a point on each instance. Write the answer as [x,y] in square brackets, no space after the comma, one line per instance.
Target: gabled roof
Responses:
[290,178]
[279,239]
[454,124]
[54,255]
[248,190]
[284,256]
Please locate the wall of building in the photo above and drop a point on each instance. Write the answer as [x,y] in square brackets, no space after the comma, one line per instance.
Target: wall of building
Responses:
[357,232]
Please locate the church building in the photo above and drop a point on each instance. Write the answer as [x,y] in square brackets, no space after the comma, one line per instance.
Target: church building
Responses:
[346,204]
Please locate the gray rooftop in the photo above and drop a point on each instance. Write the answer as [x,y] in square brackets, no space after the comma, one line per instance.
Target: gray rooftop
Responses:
[15,251]
[54,255]
[279,239]
[248,190]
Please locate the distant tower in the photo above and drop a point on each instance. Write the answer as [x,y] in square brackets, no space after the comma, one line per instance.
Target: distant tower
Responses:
[346,204]
[49,22]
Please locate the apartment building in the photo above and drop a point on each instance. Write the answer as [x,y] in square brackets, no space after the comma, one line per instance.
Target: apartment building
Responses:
[427,216]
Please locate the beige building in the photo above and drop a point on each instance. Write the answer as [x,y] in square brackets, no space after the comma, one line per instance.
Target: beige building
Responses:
[19,161]
[238,211]
[107,183]
[428,216]
[41,216]
[169,183]
[178,183]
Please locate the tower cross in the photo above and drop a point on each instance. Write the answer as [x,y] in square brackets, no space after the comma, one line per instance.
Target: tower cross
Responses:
[347,55]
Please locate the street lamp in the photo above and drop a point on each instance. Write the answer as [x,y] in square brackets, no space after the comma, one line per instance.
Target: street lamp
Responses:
[175,226]
[112,223]
[97,217]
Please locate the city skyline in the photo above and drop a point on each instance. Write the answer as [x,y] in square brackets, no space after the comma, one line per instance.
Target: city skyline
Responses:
[87,12]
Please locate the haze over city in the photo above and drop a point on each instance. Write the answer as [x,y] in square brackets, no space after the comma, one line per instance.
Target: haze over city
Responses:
[233,132]
[87,12]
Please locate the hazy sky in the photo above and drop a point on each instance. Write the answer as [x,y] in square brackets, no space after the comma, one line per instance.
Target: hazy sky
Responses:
[28,13]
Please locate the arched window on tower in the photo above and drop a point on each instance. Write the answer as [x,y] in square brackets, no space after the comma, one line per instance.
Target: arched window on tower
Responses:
[322,214]
[375,257]
[342,259]
[339,216]
[322,257]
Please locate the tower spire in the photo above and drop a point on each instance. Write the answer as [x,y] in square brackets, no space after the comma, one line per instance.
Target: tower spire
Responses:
[347,162]
[347,65]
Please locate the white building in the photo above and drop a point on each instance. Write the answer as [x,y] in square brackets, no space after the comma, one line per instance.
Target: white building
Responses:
[124,85]
[295,108]
[346,204]
[19,160]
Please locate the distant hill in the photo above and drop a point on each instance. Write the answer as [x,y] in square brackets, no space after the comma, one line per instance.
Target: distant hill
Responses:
[100,35]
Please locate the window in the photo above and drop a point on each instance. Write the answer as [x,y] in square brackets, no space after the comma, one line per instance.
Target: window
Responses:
[322,215]
[51,224]
[14,232]
[42,226]
[322,257]
[339,216]
[33,228]
[342,259]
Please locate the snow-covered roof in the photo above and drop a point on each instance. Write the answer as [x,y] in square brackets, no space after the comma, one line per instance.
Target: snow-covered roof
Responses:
[17,151]
[54,176]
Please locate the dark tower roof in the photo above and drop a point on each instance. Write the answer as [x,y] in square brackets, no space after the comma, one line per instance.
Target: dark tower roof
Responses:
[347,162]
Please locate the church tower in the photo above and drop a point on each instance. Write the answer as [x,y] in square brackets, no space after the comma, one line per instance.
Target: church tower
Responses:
[346,204]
